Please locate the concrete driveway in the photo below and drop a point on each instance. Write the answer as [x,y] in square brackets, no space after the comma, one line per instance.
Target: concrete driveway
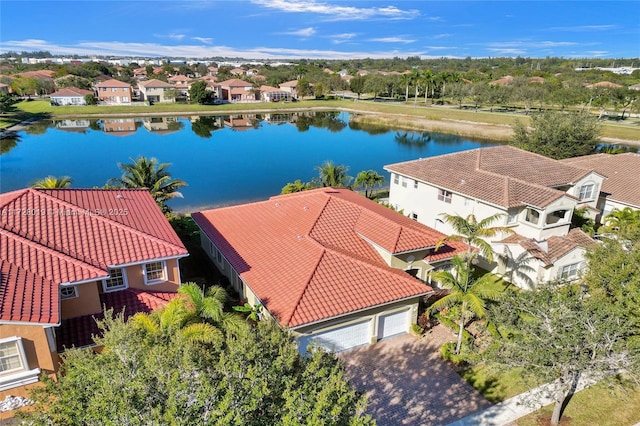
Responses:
[407,383]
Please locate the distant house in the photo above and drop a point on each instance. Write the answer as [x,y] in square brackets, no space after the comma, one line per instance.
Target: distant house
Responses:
[155,91]
[182,83]
[5,88]
[66,254]
[114,92]
[330,265]
[236,90]
[607,84]
[290,86]
[274,94]
[622,187]
[70,96]
[535,195]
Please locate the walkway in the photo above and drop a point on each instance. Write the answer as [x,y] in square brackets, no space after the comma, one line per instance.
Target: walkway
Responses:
[407,382]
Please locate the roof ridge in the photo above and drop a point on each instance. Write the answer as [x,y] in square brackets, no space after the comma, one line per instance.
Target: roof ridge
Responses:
[111,221]
[18,193]
[308,282]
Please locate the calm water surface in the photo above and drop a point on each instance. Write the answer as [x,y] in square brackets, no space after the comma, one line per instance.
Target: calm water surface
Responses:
[224,159]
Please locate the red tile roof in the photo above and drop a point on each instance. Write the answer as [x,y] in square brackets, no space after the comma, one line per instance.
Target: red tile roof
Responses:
[310,256]
[154,83]
[79,331]
[73,235]
[501,175]
[549,251]
[234,82]
[113,83]
[622,172]
[70,92]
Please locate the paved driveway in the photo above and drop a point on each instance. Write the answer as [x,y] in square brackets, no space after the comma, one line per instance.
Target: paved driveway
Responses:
[407,383]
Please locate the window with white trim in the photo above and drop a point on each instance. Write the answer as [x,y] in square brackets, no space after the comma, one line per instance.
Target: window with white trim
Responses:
[444,195]
[532,216]
[404,182]
[11,355]
[117,280]
[586,191]
[68,292]
[155,272]
[396,178]
[415,184]
[569,272]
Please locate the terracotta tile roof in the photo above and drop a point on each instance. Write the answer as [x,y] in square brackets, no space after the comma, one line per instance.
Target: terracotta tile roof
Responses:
[180,78]
[70,92]
[79,331]
[307,255]
[622,172]
[501,175]
[154,83]
[549,251]
[234,82]
[113,83]
[27,297]
[292,84]
[72,235]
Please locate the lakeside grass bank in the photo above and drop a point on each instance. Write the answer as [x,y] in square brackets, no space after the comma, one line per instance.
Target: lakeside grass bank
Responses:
[445,119]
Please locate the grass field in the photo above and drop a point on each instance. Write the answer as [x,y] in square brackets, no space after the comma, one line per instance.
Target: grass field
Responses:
[393,112]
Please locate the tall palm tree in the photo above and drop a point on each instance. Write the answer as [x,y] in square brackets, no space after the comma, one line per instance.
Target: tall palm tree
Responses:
[427,80]
[147,173]
[334,175]
[473,233]
[369,179]
[52,182]
[416,79]
[405,79]
[466,291]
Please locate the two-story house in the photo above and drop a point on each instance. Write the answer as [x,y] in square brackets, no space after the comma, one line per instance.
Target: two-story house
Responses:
[156,91]
[236,90]
[328,264]
[114,92]
[64,255]
[535,194]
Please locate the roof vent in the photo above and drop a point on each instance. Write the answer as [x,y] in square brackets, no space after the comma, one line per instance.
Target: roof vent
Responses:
[277,204]
[119,197]
[299,237]
[305,208]
[462,181]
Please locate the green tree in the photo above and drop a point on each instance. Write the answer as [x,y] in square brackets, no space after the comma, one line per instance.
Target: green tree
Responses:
[357,84]
[333,175]
[297,186]
[559,135]
[466,292]
[555,335]
[625,223]
[6,102]
[91,99]
[303,88]
[25,86]
[368,179]
[198,92]
[147,173]
[52,182]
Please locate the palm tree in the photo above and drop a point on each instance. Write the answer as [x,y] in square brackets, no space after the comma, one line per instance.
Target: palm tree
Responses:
[416,79]
[334,175]
[369,179]
[427,79]
[405,79]
[473,233]
[147,173]
[52,182]
[466,291]
[623,222]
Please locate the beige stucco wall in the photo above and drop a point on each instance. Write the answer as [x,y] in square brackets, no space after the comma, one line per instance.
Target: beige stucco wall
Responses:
[135,278]
[36,348]
[87,302]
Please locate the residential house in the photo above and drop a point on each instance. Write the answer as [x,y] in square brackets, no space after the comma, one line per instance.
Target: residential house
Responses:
[274,94]
[182,83]
[536,196]
[236,90]
[70,96]
[5,88]
[328,264]
[622,187]
[66,253]
[114,92]
[156,91]
[290,86]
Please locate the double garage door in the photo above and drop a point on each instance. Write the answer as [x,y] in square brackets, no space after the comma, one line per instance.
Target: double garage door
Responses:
[359,333]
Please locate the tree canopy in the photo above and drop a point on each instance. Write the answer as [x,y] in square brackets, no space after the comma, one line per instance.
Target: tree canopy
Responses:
[559,135]
[52,182]
[172,373]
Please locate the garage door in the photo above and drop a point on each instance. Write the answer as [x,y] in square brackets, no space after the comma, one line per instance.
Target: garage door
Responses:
[393,324]
[341,338]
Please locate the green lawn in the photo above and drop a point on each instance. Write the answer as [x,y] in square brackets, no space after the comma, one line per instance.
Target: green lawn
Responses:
[628,130]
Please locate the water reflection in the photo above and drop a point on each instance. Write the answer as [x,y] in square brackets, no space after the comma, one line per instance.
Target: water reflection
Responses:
[8,141]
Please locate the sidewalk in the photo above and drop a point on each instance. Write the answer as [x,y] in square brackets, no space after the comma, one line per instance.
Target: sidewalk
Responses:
[510,410]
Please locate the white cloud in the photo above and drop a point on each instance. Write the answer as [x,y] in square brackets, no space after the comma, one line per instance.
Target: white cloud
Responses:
[342,38]
[392,40]
[507,51]
[338,13]
[303,32]
[581,28]
[173,36]
[205,40]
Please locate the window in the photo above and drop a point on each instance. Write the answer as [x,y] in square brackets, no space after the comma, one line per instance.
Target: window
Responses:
[11,355]
[404,182]
[396,178]
[586,191]
[117,280]
[154,272]
[68,292]
[570,272]
[533,216]
[444,195]
[114,89]
[415,184]
[556,217]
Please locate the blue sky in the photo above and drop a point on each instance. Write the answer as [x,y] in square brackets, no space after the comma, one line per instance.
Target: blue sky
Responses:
[324,29]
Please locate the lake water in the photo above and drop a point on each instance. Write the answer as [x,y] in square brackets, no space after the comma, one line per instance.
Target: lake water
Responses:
[225,159]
